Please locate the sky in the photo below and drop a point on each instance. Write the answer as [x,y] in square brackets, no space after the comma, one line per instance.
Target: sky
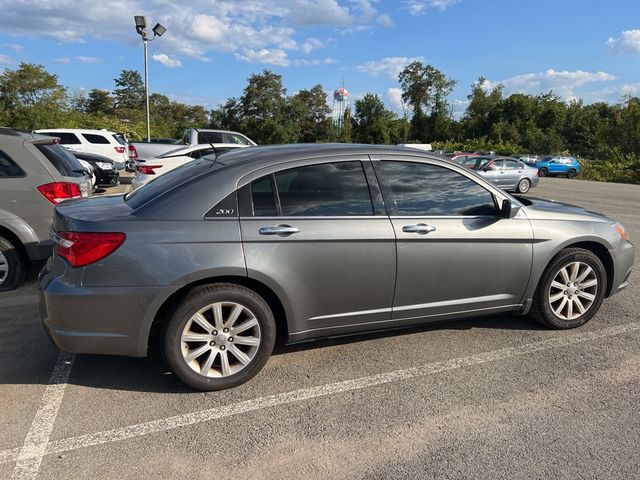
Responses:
[586,49]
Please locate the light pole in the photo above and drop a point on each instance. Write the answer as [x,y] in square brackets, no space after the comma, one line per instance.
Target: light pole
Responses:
[158,30]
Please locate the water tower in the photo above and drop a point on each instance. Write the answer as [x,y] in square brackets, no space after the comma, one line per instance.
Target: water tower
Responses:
[340,104]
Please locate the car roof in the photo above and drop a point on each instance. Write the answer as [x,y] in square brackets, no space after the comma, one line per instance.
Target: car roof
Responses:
[75,130]
[92,156]
[8,133]
[183,150]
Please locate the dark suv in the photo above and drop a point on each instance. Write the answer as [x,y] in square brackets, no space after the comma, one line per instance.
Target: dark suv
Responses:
[36,173]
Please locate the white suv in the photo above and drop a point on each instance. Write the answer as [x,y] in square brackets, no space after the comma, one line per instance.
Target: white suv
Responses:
[101,142]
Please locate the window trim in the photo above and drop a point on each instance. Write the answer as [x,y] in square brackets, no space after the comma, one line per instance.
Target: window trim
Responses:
[246,197]
[392,207]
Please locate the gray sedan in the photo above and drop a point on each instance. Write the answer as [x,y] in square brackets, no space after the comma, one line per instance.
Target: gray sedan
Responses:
[505,172]
[219,258]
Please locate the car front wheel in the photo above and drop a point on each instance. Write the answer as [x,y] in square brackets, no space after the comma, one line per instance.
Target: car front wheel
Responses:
[571,289]
[220,336]
[12,268]
[524,185]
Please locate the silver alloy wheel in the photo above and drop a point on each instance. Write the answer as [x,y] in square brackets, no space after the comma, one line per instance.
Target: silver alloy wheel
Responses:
[573,290]
[523,186]
[4,268]
[220,339]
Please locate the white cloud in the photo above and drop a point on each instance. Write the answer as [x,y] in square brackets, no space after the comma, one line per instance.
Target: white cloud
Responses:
[628,42]
[270,57]
[562,82]
[385,20]
[5,60]
[394,96]
[195,28]
[390,66]
[14,46]
[631,89]
[166,60]
[420,7]
[315,61]
[63,60]
[89,60]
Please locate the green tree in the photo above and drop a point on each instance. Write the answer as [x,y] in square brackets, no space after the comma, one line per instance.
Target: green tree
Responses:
[310,112]
[372,120]
[129,92]
[100,101]
[483,109]
[426,89]
[31,96]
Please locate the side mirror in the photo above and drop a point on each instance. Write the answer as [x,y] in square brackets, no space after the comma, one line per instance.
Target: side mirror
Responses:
[507,210]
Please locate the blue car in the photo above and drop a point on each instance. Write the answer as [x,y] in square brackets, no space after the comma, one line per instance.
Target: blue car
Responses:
[553,166]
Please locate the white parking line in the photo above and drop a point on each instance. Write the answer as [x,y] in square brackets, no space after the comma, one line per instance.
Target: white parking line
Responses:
[161,425]
[35,444]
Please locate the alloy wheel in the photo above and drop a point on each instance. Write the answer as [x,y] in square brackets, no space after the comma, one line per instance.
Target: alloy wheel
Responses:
[4,268]
[523,186]
[220,339]
[573,290]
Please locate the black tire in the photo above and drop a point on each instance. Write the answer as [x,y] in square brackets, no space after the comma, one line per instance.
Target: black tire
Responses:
[543,172]
[11,258]
[572,173]
[201,297]
[524,185]
[541,310]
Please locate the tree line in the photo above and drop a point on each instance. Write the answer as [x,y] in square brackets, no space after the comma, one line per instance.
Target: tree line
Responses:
[31,97]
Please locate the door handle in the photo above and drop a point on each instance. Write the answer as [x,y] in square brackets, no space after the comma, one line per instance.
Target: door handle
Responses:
[420,228]
[280,230]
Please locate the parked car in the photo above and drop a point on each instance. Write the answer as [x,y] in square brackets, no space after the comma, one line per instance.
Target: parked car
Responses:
[553,166]
[35,174]
[192,137]
[529,159]
[505,172]
[300,242]
[89,171]
[100,142]
[104,169]
[150,169]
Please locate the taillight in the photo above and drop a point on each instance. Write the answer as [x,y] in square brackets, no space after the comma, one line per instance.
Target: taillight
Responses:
[82,248]
[148,169]
[119,149]
[133,153]
[56,192]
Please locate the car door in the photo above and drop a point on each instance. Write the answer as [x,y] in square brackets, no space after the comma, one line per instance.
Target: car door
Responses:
[456,254]
[100,144]
[317,237]
[512,173]
[493,172]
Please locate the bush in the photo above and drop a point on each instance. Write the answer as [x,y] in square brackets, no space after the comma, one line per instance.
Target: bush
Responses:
[625,171]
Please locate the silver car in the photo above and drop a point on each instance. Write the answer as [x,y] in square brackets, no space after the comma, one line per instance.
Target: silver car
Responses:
[220,257]
[35,174]
[505,172]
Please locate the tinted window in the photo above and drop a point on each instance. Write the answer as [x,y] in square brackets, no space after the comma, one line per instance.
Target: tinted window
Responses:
[97,139]
[66,138]
[8,167]
[233,138]
[264,204]
[201,153]
[210,137]
[163,183]
[328,189]
[63,161]
[429,190]
[511,165]
[119,138]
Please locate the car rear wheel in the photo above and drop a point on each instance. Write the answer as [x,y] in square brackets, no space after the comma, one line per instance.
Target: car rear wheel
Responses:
[524,185]
[543,172]
[571,289]
[572,173]
[220,336]
[12,267]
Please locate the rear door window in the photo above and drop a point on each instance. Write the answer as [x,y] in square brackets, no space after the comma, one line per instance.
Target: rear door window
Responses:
[96,139]
[66,138]
[9,168]
[62,160]
[210,137]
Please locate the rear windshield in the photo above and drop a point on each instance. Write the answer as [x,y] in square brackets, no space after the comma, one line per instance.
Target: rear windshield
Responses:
[162,184]
[119,139]
[63,161]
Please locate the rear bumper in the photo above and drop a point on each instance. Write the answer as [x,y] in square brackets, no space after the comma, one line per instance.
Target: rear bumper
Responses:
[108,178]
[104,320]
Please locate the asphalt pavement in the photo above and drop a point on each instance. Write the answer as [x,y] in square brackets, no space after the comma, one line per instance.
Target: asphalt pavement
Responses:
[490,398]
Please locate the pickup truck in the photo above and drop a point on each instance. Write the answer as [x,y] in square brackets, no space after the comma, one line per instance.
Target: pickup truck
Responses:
[191,137]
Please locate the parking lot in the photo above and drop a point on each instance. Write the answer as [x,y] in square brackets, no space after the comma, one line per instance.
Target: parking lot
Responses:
[493,397]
